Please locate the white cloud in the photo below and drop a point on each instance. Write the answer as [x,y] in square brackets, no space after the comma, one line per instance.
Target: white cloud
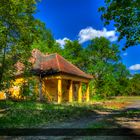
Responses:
[125,54]
[135,67]
[62,41]
[89,33]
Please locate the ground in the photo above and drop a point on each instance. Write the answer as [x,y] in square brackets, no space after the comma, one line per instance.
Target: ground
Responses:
[121,112]
[125,115]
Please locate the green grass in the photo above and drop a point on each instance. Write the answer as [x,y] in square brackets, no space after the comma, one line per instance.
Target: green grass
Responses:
[32,114]
[130,113]
[26,114]
[125,98]
[104,123]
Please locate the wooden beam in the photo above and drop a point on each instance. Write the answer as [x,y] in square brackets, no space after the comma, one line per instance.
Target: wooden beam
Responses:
[59,91]
[71,91]
[68,77]
[74,78]
[58,76]
[80,92]
[87,92]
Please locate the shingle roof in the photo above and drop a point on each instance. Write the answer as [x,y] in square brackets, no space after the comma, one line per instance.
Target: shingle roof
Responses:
[53,64]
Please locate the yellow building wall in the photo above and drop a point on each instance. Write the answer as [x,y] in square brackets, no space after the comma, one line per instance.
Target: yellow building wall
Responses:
[14,90]
[2,95]
[50,89]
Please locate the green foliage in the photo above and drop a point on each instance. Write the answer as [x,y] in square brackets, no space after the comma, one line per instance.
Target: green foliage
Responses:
[18,30]
[73,51]
[46,42]
[122,77]
[27,89]
[103,62]
[134,85]
[126,15]
[97,97]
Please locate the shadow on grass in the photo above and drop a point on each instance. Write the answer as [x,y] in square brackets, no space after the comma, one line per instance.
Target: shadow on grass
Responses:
[110,124]
[29,114]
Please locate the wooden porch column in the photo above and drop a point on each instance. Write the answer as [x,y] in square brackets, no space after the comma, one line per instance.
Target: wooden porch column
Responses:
[59,91]
[40,89]
[87,92]
[80,93]
[71,91]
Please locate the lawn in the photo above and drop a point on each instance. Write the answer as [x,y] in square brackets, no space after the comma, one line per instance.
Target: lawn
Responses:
[31,114]
[28,114]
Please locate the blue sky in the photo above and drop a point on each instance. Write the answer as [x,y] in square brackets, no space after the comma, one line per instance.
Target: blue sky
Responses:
[80,19]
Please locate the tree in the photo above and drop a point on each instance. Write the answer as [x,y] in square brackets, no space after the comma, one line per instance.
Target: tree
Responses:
[126,15]
[46,42]
[102,61]
[73,52]
[121,74]
[18,30]
[134,85]
[100,51]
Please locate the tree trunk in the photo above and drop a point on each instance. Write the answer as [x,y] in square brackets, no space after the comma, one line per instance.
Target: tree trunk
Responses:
[3,65]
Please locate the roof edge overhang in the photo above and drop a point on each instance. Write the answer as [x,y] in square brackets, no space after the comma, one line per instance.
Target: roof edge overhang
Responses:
[51,72]
[89,77]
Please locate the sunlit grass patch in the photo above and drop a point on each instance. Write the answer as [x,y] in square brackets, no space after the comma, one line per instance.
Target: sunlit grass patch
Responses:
[32,114]
[35,114]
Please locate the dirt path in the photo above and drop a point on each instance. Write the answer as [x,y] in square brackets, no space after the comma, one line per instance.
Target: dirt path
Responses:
[134,105]
[118,121]
[80,123]
[121,121]
[131,120]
